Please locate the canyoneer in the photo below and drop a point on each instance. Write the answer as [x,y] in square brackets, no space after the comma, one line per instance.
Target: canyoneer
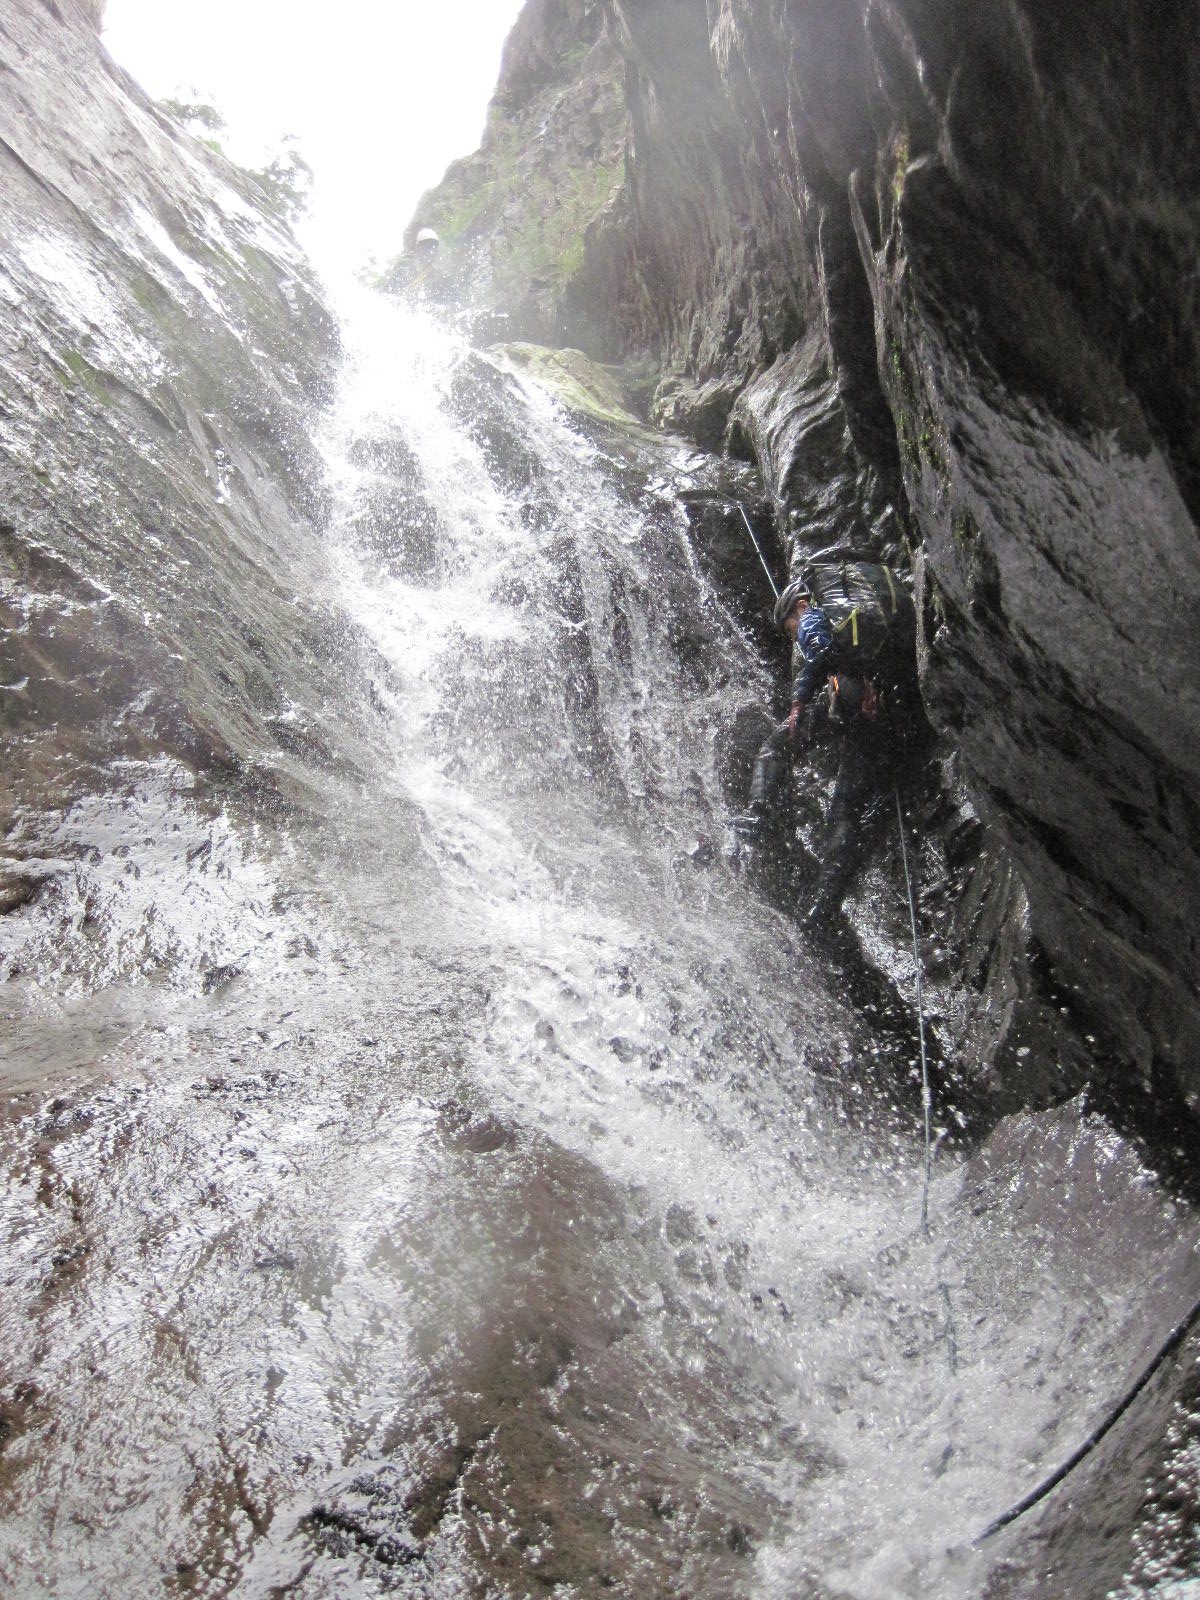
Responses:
[409,274]
[852,627]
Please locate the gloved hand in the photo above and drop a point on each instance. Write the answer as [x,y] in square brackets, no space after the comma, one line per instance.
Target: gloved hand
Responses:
[797,723]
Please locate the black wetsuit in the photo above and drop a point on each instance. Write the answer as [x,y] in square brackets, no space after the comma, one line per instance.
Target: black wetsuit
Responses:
[857,805]
[829,704]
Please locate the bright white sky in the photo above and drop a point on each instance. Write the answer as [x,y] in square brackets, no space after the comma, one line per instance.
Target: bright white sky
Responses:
[381,95]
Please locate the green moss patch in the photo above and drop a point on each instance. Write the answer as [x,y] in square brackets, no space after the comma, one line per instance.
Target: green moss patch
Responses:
[574,379]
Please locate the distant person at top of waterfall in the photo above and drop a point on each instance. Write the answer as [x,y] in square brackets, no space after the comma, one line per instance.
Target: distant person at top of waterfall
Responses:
[852,627]
[409,274]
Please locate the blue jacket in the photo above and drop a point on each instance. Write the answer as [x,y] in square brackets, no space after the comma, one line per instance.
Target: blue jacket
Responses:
[814,646]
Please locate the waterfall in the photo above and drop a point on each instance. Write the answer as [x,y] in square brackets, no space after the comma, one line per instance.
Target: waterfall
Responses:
[545,1215]
[555,683]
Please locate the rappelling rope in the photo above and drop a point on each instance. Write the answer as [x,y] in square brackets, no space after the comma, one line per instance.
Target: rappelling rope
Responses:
[758,550]
[926,1097]
[926,1102]
[1176,1337]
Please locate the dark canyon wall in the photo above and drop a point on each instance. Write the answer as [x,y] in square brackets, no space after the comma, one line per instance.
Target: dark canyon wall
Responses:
[934,268]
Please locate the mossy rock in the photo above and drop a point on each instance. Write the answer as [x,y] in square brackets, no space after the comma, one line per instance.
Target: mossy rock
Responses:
[578,382]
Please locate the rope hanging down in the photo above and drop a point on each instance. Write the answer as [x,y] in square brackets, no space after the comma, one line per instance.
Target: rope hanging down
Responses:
[1178,1333]
[757,550]
[1176,1337]
[926,1097]
[926,1104]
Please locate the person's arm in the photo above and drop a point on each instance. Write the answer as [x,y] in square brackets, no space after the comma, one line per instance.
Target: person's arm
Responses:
[814,646]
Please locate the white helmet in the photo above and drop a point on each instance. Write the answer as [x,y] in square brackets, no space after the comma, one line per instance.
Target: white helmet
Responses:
[427,237]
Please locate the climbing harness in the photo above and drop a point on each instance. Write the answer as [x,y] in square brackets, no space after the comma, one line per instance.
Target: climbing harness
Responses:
[926,1101]
[862,592]
[1176,1337]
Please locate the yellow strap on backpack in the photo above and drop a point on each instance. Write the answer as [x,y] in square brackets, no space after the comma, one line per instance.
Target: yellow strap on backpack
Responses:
[850,622]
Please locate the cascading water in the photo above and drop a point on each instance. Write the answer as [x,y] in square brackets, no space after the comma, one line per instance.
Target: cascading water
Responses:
[515,1238]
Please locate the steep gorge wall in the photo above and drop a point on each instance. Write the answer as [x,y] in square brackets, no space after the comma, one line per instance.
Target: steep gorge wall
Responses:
[1002,208]
[525,221]
[161,502]
[933,267]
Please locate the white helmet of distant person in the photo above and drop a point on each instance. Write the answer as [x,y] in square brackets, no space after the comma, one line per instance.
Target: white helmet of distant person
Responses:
[427,240]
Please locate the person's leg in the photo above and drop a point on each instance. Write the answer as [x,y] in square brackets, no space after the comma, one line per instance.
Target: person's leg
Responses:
[770,778]
[854,811]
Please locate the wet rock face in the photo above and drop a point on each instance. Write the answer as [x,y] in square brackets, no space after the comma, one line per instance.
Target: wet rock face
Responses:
[933,271]
[163,350]
[722,266]
[529,224]
[1031,314]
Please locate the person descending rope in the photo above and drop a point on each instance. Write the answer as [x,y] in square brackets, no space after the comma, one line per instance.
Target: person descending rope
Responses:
[852,627]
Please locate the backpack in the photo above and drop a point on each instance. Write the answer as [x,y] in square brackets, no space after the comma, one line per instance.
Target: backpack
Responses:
[871,614]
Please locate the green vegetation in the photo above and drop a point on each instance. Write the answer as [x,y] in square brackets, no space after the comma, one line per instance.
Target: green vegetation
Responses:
[919,435]
[79,370]
[549,243]
[574,58]
[964,531]
[140,287]
[454,222]
[286,181]
[579,383]
[197,117]
[485,182]
[534,220]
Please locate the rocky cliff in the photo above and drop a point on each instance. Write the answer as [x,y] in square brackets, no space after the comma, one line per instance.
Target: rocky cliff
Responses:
[163,349]
[168,643]
[526,221]
[932,269]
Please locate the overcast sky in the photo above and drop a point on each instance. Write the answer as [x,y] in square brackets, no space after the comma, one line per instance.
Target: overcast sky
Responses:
[381,97]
